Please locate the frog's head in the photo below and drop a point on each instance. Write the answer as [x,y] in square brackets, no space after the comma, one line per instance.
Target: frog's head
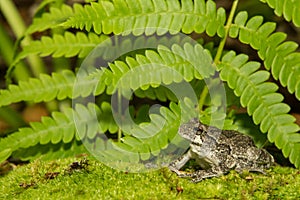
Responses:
[190,129]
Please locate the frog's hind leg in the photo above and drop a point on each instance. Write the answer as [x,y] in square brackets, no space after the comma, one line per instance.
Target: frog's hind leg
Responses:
[209,173]
[251,169]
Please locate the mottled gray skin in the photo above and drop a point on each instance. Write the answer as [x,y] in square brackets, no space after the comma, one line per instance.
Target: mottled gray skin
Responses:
[219,151]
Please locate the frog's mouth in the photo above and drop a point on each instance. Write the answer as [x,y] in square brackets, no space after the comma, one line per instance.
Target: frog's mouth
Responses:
[203,157]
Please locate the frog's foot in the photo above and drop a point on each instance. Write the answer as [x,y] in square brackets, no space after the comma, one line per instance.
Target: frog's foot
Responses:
[174,169]
[179,173]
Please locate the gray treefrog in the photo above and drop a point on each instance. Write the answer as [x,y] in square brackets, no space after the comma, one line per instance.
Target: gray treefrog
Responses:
[219,151]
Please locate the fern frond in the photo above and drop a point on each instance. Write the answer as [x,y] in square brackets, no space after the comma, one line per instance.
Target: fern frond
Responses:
[262,102]
[151,138]
[145,146]
[278,56]
[67,45]
[149,17]
[289,9]
[78,123]
[49,20]
[46,88]
[51,151]
[164,67]
[105,47]
[60,130]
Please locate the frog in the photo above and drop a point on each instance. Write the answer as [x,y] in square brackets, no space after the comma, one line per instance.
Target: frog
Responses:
[217,152]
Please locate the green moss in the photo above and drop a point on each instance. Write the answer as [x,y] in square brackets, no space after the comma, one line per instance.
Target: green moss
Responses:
[96,181]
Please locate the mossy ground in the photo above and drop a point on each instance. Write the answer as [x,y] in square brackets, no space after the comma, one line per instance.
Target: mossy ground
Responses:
[39,180]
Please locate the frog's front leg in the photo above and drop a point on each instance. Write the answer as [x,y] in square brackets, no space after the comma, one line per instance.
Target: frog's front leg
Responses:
[176,165]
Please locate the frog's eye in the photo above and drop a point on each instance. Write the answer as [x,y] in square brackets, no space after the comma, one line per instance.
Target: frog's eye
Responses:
[202,128]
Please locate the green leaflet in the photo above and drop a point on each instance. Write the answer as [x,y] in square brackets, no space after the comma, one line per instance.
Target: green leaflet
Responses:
[161,93]
[287,8]
[5,153]
[278,56]
[51,19]
[255,94]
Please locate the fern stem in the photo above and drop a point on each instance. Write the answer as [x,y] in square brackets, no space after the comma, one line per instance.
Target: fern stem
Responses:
[12,16]
[7,53]
[120,114]
[202,98]
[218,56]
[227,27]
[15,21]
[61,63]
